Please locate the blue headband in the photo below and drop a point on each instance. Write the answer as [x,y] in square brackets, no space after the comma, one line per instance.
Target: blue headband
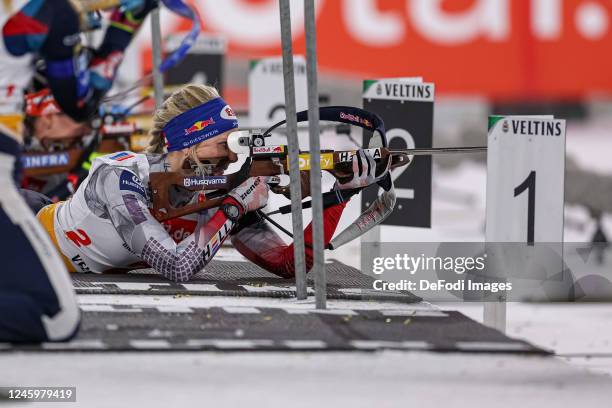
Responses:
[198,124]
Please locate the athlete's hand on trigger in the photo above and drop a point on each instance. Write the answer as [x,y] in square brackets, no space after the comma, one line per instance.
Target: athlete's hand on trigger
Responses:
[364,172]
[252,194]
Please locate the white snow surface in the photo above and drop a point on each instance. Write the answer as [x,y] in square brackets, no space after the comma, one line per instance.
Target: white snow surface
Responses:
[387,379]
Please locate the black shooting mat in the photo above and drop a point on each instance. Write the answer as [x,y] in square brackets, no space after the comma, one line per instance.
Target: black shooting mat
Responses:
[235,278]
[133,328]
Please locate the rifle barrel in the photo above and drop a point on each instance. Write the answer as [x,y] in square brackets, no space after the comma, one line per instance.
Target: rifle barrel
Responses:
[440,150]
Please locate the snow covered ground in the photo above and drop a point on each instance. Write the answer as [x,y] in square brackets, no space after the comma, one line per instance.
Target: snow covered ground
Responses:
[580,334]
[388,379]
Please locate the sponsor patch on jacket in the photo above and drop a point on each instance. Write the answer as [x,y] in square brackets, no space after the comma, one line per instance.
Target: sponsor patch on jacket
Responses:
[122,156]
[130,182]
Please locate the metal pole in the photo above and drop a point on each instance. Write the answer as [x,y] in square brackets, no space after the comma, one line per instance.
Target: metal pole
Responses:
[494,315]
[494,311]
[158,79]
[370,248]
[294,149]
[318,265]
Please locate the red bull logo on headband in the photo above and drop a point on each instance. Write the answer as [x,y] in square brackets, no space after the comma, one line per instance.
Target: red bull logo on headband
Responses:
[199,125]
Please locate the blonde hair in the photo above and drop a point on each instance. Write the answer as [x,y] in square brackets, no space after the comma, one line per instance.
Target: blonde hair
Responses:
[180,101]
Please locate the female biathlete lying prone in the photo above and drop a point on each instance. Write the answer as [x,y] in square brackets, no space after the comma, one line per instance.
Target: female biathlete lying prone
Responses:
[107,224]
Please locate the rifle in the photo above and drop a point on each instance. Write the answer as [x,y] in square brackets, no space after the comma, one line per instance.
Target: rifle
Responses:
[273,161]
[269,164]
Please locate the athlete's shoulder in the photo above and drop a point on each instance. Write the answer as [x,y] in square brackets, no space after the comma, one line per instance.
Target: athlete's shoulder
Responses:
[127,171]
[124,180]
[135,162]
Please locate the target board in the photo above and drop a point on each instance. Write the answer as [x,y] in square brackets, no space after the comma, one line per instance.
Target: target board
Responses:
[525,203]
[203,64]
[525,179]
[407,108]
[267,90]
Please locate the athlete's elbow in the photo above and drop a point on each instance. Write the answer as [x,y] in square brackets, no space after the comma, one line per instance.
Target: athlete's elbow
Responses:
[177,268]
[182,273]
[176,276]
[181,277]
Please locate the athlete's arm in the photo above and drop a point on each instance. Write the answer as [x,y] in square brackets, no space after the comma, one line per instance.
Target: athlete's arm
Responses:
[264,247]
[123,25]
[109,55]
[121,197]
[51,29]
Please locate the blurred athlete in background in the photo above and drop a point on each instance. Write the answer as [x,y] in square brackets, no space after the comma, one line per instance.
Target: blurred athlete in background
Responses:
[77,76]
[37,302]
[46,129]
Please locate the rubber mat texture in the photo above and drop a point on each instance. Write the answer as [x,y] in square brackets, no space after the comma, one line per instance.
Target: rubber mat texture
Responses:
[130,328]
[232,278]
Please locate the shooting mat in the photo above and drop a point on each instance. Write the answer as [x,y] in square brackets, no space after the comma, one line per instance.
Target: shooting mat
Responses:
[235,278]
[134,328]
